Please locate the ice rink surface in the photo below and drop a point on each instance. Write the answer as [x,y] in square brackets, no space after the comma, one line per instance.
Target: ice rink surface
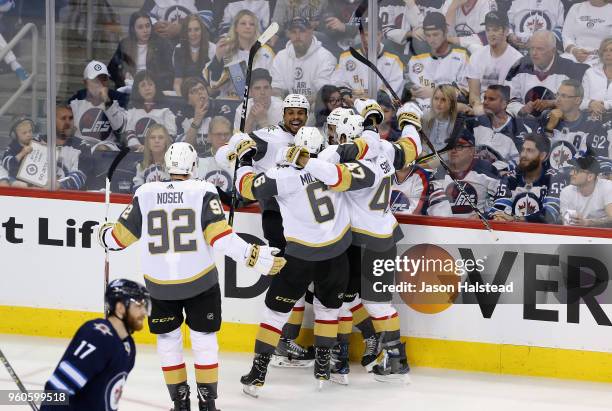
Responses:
[294,389]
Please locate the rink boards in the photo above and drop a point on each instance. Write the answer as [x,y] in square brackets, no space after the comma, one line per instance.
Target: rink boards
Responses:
[52,280]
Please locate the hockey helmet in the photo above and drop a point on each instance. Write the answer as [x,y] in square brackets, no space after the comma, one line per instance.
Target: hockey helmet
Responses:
[350,127]
[181,158]
[311,138]
[336,114]
[296,101]
[126,292]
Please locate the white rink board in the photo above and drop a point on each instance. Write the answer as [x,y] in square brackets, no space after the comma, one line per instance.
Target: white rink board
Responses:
[71,278]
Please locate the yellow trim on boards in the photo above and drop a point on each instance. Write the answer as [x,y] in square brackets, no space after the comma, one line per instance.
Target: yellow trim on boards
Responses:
[422,352]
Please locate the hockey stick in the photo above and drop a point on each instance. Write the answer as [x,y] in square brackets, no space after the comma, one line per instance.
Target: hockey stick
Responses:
[263,39]
[109,177]
[429,156]
[16,379]
[435,152]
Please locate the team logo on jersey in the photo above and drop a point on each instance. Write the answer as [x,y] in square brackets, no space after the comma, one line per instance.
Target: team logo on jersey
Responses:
[155,172]
[210,316]
[417,68]
[459,203]
[114,390]
[399,202]
[463,30]
[299,73]
[94,123]
[539,92]
[560,154]
[535,20]
[525,204]
[142,126]
[103,328]
[219,178]
[128,347]
[176,13]
[350,65]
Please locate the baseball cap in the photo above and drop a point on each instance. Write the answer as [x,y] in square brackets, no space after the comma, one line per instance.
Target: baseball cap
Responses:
[94,69]
[587,163]
[298,22]
[434,21]
[495,18]
[464,137]
[260,74]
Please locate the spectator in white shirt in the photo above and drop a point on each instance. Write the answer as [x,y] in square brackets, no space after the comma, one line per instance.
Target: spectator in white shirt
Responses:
[587,201]
[597,82]
[585,26]
[490,64]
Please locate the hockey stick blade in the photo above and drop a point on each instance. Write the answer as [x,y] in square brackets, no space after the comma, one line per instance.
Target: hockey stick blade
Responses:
[267,35]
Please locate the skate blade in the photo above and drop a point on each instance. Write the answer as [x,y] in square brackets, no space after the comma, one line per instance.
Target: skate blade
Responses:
[283,362]
[341,379]
[370,366]
[251,390]
[394,378]
[321,383]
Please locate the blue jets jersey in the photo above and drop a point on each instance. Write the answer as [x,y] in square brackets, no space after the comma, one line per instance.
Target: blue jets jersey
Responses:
[94,368]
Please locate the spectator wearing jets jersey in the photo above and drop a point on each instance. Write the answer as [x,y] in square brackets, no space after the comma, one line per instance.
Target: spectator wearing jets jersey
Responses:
[572,130]
[444,64]
[195,129]
[167,15]
[304,65]
[597,82]
[415,191]
[4,177]
[142,50]
[586,25]
[478,177]
[152,167]
[528,17]
[193,51]
[352,74]
[491,63]
[465,19]
[99,113]
[587,201]
[535,78]
[531,192]
[497,134]
[145,110]
[263,109]
[224,72]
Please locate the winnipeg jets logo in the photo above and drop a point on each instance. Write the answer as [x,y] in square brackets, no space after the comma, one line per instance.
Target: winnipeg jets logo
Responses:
[400,203]
[176,13]
[103,328]
[94,123]
[560,154]
[461,203]
[534,21]
[142,126]
[525,204]
[219,178]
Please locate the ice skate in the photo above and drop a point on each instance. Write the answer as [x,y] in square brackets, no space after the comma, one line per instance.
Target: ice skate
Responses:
[290,354]
[340,364]
[322,366]
[394,365]
[181,399]
[373,347]
[205,401]
[257,376]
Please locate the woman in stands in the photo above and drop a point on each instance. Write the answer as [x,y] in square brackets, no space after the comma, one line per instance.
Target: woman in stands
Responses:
[143,49]
[145,110]
[152,167]
[598,82]
[226,71]
[194,130]
[193,52]
[443,117]
[328,98]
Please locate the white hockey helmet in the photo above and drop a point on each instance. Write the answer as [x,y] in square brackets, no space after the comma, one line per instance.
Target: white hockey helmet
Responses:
[296,101]
[336,114]
[350,127]
[181,158]
[311,138]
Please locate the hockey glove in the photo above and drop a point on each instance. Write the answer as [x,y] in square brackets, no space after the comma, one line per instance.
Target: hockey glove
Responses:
[102,232]
[246,150]
[225,156]
[289,156]
[370,110]
[409,113]
[263,259]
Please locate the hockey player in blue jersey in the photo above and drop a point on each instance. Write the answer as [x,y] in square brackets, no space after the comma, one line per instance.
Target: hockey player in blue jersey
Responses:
[95,366]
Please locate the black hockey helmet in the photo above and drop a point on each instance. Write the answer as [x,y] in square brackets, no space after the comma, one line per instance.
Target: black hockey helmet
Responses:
[126,291]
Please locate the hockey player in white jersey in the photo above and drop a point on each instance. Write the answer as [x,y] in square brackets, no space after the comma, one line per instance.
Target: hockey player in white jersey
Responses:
[375,235]
[179,223]
[317,238]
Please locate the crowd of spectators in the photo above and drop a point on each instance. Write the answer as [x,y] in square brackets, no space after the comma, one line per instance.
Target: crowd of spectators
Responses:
[517,94]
